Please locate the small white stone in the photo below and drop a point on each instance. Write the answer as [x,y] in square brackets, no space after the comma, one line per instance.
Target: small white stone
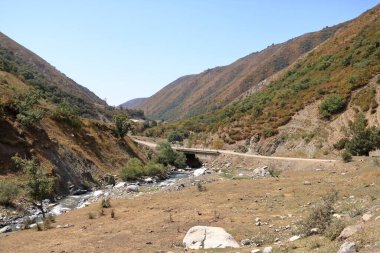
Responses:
[294,238]
[267,249]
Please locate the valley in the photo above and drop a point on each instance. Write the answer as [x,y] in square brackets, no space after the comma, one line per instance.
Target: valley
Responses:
[278,151]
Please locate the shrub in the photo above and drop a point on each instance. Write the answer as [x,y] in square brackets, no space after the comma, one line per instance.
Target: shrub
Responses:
[24,105]
[106,202]
[269,132]
[320,215]
[167,156]
[66,113]
[133,170]
[274,172]
[91,216]
[175,136]
[334,230]
[8,192]
[155,169]
[346,156]
[217,144]
[341,144]
[331,105]
[201,187]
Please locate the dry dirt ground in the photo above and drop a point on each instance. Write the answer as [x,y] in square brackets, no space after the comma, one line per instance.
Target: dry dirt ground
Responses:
[157,222]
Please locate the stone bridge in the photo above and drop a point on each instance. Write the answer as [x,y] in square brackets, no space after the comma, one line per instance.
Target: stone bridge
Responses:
[203,155]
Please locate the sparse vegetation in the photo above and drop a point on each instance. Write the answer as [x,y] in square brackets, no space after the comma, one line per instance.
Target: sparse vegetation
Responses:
[334,229]
[91,216]
[67,113]
[40,186]
[8,192]
[201,187]
[320,215]
[175,136]
[274,172]
[26,109]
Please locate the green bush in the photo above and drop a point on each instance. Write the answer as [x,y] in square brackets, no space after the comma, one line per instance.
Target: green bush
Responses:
[269,132]
[133,170]
[8,192]
[331,105]
[106,203]
[346,156]
[167,156]
[155,169]
[175,136]
[67,113]
[25,106]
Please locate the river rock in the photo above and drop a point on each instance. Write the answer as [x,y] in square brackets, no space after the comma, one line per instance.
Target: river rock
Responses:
[5,229]
[148,180]
[199,172]
[267,249]
[120,185]
[261,172]
[133,188]
[347,247]
[203,237]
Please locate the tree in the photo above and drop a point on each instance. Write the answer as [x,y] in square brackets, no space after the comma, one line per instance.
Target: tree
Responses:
[167,156]
[122,125]
[364,139]
[40,186]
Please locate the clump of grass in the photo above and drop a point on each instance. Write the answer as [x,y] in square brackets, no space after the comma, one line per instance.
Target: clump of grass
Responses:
[8,192]
[113,213]
[274,172]
[334,230]
[346,156]
[101,212]
[39,227]
[91,215]
[201,187]
[320,216]
[106,202]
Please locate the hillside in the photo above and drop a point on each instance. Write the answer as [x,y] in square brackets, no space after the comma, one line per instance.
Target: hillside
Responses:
[35,71]
[344,64]
[133,103]
[214,88]
[46,115]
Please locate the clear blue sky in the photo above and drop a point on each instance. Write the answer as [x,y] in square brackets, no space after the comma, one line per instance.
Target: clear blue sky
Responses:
[127,49]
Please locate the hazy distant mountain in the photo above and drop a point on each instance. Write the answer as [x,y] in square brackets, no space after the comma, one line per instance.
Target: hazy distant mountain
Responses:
[133,103]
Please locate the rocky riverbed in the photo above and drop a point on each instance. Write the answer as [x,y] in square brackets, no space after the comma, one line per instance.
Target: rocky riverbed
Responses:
[176,180]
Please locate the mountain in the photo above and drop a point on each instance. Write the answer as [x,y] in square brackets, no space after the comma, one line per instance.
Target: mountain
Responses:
[47,116]
[133,103]
[31,68]
[308,106]
[215,88]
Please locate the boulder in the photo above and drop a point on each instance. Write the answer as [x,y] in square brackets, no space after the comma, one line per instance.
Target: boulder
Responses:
[255,251]
[5,229]
[203,237]
[98,193]
[133,188]
[294,238]
[261,172]
[109,179]
[200,171]
[347,247]
[349,231]
[120,185]
[267,249]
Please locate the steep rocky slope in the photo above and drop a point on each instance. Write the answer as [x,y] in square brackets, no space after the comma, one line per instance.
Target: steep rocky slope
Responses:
[45,115]
[214,88]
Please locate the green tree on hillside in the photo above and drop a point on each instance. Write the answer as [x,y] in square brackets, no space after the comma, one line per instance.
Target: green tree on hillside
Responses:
[122,125]
[331,105]
[40,186]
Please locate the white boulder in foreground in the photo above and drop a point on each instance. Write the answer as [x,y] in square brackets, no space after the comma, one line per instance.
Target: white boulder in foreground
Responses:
[202,237]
